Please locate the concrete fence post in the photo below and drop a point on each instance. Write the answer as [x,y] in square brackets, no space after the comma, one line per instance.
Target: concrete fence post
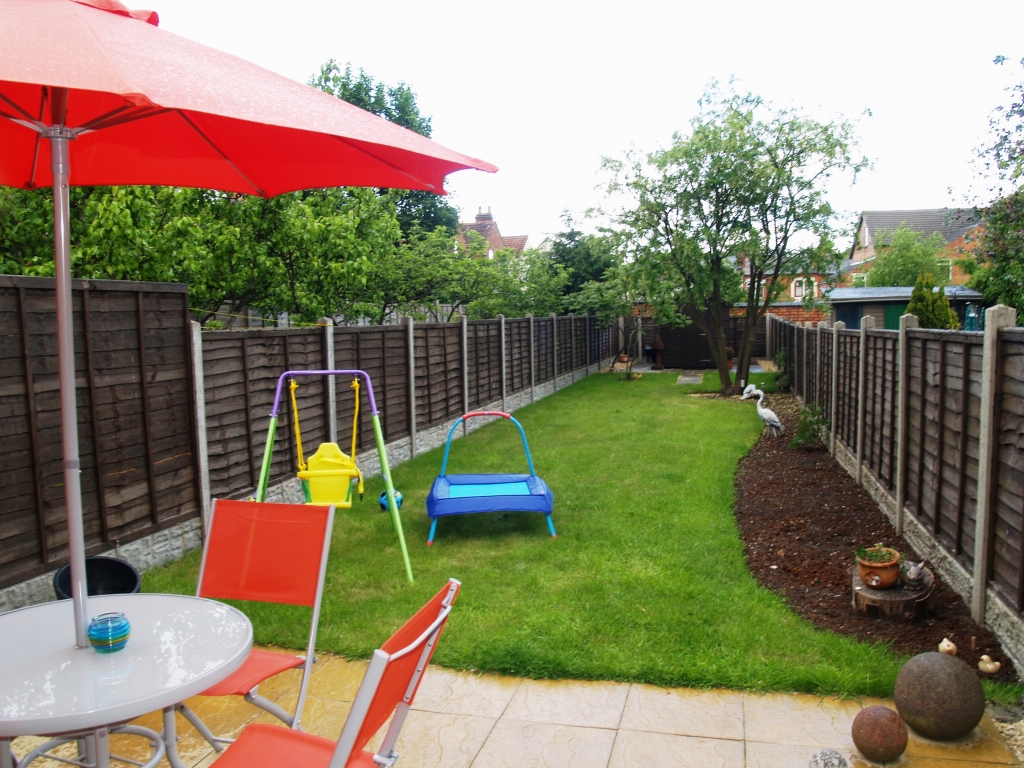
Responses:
[410,345]
[866,322]
[818,394]
[330,383]
[533,365]
[465,371]
[554,351]
[501,347]
[768,336]
[836,328]
[199,398]
[996,318]
[902,418]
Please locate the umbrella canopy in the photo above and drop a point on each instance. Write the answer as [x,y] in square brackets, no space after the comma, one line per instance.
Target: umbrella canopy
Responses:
[92,93]
[150,107]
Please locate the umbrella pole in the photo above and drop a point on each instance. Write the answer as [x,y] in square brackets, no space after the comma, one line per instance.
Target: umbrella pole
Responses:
[61,166]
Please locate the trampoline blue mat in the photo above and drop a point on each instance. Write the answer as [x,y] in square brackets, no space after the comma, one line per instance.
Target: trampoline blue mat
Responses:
[467,494]
[488,489]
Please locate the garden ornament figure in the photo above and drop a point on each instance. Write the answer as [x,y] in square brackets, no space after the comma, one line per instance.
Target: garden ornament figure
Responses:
[771,421]
[988,667]
[947,647]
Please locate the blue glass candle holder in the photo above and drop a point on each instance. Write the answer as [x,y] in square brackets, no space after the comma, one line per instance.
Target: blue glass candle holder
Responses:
[109,632]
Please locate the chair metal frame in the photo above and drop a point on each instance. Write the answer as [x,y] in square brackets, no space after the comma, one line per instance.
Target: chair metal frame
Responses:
[260,746]
[252,696]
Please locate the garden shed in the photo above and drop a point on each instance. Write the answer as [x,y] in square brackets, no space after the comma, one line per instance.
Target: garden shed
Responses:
[886,305]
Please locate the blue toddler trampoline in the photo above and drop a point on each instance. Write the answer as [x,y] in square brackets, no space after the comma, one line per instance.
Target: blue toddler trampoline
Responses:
[469,494]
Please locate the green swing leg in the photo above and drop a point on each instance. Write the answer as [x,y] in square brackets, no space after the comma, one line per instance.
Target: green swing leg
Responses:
[385,470]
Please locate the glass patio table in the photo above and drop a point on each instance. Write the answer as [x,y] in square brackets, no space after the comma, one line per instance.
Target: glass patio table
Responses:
[179,647]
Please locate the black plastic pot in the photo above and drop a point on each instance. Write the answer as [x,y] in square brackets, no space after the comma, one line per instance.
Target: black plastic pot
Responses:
[103,576]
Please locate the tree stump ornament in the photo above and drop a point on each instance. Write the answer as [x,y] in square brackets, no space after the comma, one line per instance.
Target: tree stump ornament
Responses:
[880,734]
[939,696]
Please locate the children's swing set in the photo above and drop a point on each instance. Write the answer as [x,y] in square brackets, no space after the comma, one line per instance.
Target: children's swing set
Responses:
[469,494]
[330,476]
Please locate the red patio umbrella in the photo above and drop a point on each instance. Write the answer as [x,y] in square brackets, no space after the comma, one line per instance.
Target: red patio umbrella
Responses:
[92,93]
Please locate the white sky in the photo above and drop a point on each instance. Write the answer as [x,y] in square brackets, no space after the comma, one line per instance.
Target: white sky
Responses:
[544,89]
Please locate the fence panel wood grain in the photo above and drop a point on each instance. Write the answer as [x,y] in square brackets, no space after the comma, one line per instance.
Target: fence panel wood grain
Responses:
[1008,488]
[543,346]
[517,355]
[135,418]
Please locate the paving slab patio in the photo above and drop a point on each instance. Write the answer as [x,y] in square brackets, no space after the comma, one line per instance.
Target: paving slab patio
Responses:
[465,720]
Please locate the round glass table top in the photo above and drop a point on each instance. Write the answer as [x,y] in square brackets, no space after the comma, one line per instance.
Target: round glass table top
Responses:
[179,646]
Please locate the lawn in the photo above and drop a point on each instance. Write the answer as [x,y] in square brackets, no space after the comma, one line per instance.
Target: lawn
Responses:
[646,581]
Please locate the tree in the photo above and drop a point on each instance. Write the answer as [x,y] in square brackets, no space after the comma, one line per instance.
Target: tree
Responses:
[584,257]
[738,194]
[524,283]
[396,104]
[1005,156]
[907,255]
[1001,251]
[931,305]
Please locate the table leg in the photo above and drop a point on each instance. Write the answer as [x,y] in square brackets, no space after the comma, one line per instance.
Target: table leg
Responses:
[101,741]
[171,739]
[6,757]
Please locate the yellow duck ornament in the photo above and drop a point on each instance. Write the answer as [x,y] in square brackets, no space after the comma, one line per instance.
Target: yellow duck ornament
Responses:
[987,666]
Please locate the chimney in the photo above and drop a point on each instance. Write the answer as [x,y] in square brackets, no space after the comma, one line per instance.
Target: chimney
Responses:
[481,216]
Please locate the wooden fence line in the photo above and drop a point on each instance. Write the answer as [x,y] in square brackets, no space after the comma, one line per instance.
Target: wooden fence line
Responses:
[933,421]
[170,417]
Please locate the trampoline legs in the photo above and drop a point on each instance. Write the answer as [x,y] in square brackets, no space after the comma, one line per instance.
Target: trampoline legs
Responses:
[433,528]
[551,526]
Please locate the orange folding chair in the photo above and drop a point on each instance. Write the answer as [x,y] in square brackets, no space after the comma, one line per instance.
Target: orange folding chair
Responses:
[274,553]
[389,685]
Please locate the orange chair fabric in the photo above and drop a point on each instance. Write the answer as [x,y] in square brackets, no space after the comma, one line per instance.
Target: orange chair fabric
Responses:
[259,665]
[399,672]
[265,552]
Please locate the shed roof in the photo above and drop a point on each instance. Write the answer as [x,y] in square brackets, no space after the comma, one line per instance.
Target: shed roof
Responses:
[900,293]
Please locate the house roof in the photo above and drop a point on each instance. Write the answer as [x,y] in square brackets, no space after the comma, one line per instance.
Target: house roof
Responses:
[487,228]
[901,293]
[951,223]
[517,242]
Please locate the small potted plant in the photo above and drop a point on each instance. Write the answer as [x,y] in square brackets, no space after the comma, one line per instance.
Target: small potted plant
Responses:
[878,566]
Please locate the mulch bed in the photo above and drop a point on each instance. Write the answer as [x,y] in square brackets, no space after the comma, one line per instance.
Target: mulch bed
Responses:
[801,516]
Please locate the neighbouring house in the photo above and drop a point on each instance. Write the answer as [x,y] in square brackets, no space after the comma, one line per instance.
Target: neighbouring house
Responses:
[959,228]
[487,228]
[886,305]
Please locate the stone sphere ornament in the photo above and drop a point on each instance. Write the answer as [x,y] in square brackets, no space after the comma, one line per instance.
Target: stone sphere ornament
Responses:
[880,734]
[939,696]
[828,758]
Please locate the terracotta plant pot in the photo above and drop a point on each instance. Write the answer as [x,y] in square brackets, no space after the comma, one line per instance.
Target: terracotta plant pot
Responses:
[880,575]
[623,358]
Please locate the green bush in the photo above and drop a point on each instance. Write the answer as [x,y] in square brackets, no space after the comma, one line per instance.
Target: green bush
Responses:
[809,430]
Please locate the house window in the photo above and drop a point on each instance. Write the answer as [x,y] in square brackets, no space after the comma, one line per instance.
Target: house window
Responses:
[944,269]
[860,280]
[798,289]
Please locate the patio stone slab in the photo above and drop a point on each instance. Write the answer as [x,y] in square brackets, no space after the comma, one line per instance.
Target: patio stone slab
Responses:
[712,714]
[800,719]
[637,749]
[463,693]
[434,740]
[337,679]
[982,745]
[516,744]
[569,702]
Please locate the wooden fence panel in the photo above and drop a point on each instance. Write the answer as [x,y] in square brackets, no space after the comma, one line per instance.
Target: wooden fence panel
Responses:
[484,362]
[563,329]
[579,341]
[135,418]
[880,409]
[517,355]
[1008,488]
[846,403]
[543,349]
[825,385]
[438,373]
[380,351]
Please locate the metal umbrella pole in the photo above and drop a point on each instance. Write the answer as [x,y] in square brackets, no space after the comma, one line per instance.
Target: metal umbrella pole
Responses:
[59,136]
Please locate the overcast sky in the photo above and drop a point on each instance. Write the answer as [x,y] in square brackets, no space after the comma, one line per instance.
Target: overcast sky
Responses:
[544,90]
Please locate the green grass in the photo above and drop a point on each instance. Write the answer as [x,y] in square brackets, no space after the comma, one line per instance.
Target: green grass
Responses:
[646,581]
